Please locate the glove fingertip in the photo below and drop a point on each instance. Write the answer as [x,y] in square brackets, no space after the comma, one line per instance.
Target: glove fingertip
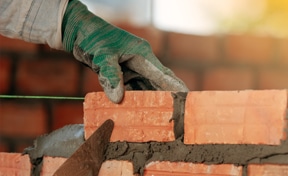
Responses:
[115,95]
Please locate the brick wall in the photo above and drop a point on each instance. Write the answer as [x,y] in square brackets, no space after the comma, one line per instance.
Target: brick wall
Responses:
[228,62]
[240,133]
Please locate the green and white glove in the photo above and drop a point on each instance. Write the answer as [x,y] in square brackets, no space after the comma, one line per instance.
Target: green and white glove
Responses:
[107,49]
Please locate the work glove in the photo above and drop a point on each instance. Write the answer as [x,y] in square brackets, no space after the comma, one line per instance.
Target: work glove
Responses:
[110,51]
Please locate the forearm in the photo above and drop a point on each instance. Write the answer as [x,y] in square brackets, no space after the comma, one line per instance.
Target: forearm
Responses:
[37,21]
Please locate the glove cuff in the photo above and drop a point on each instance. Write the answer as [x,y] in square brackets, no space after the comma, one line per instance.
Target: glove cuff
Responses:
[76,16]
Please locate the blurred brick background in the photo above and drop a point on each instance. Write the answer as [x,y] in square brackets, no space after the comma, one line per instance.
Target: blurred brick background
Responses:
[226,62]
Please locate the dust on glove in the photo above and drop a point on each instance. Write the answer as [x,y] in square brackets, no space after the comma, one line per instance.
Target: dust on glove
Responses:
[110,51]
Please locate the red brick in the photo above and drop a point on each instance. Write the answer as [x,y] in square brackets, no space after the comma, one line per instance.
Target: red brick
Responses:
[47,77]
[116,168]
[228,79]
[249,49]
[67,113]
[14,164]
[235,117]
[190,47]
[273,79]
[5,74]
[22,119]
[188,77]
[111,167]
[183,169]
[9,44]
[267,170]
[91,82]
[51,164]
[283,52]
[151,34]
[141,116]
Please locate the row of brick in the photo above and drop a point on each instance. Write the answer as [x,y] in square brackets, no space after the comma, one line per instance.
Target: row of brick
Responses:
[46,76]
[15,164]
[65,77]
[240,48]
[217,117]
[30,73]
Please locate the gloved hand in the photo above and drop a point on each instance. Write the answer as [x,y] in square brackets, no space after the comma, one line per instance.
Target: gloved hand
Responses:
[106,49]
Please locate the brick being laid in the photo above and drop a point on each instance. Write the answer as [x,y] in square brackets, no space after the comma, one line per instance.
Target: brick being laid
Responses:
[142,115]
[14,164]
[235,117]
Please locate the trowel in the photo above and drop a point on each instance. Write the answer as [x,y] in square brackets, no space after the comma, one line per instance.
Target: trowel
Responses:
[88,158]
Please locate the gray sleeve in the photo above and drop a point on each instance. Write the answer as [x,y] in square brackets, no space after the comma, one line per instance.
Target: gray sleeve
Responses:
[36,21]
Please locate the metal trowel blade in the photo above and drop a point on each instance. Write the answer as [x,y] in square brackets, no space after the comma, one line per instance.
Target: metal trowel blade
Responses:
[88,158]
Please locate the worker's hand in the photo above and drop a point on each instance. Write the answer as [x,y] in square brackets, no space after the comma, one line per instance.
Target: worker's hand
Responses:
[108,51]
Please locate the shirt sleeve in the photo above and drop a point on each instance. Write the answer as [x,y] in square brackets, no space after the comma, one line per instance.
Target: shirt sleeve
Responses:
[36,21]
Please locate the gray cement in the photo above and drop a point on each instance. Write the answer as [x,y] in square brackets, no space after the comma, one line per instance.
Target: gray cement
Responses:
[60,143]
[143,153]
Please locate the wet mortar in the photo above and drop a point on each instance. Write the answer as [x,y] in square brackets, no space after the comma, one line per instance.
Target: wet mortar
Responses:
[140,154]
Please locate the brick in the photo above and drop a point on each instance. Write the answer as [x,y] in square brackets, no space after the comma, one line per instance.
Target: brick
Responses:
[151,34]
[51,164]
[235,117]
[228,79]
[47,77]
[141,116]
[267,170]
[273,79]
[183,169]
[9,44]
[5,74]
[109,167]
[67,113]
[191,47]
[249,49]
[14,164]
[188,77]
[283,52]
[22,119]
[116,168]
[90,82]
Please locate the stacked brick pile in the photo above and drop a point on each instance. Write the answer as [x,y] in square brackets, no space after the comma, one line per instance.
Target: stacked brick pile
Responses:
[210,117]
